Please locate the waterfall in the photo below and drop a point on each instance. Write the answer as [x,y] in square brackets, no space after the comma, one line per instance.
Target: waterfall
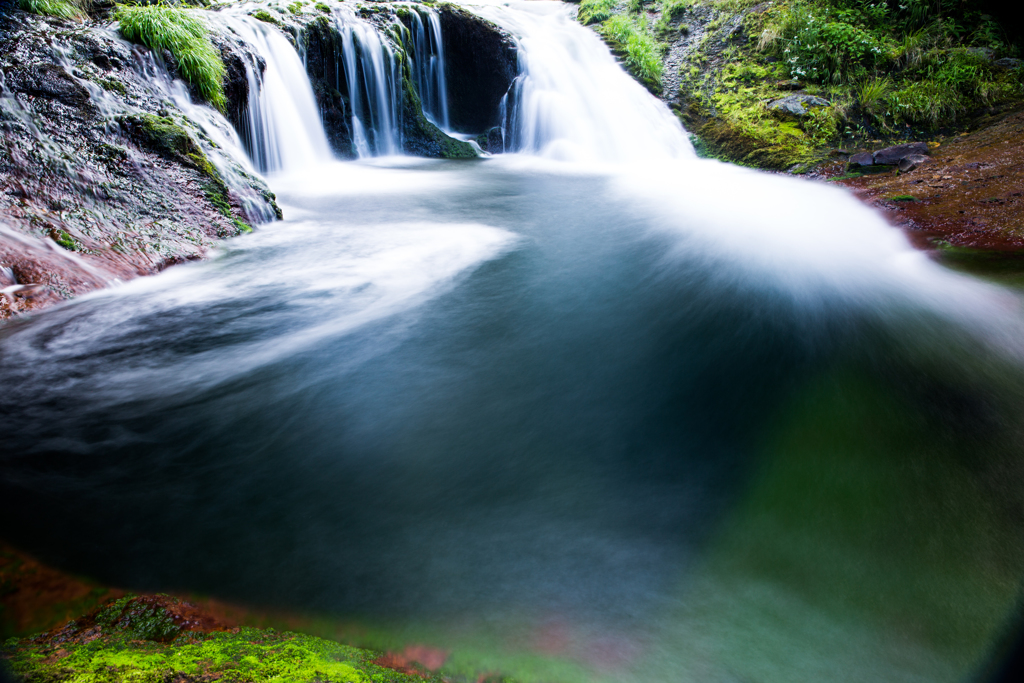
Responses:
[572,100]
[281,125]
[426,62]
[373,85]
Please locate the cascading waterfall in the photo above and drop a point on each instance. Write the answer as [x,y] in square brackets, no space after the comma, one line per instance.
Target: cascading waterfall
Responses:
[572,100]
[281,126]
[426,61]
[373,84]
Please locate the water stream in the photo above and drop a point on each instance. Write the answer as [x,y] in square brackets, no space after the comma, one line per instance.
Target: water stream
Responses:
[596,410]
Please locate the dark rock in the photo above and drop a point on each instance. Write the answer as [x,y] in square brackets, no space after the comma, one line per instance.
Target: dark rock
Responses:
[985,53]
[481,63]
[50,81]
[324,67]
[912,162]
[422,138]
[237,55]
[495,140]
[789,85]
[1009,63]
[861,160]
[891,156]
[797,106]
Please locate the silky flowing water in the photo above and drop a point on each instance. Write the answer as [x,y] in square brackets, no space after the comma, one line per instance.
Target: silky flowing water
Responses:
[597,410]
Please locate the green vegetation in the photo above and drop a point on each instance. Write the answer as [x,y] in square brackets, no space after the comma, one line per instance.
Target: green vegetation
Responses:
[265,16]
[323,7]
[184,33]
[903,198]
[66,9]
[594,11]
[137,639]
[890,69]
[642,53]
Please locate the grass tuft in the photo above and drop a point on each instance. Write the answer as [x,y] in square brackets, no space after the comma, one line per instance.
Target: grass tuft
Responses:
[65,9]
[185,34]
[594,11]
[641,50]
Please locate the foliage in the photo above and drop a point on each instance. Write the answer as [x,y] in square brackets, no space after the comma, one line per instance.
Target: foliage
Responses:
[184,33]
[65,9]
[594,11]
[642,51]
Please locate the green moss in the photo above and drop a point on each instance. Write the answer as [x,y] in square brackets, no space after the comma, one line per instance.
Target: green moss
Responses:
[265,16]
[64,239]
[113,85]
[296,7]
[241,656]
[164,136]
[903,198]
[323,7]
[594,11]
[185,34]
[65,9]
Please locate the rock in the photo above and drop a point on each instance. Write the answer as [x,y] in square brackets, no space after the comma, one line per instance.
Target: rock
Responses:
[985,53]
[495,140]
[861,159]
[891,156]
[50,81]
[1009,63]
[912,162]
[789,85]
[797,106]
[482,61]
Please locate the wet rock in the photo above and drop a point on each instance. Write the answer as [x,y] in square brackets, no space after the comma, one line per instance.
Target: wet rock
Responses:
[1009,63]
[985,53]
[47,80]
[495,140]
[423,138]
[912,162]
[236,56]
[797,106]
[482,61]
[789,85]
[891,156]
[863,159]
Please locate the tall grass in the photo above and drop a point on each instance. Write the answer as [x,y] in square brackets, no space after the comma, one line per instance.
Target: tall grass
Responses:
[642,51]
[66,9]
[593,11]
[186,36]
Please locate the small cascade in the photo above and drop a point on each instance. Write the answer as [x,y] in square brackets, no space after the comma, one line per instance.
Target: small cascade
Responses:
[281,128]
[572,100]
[426,62]
[372,84]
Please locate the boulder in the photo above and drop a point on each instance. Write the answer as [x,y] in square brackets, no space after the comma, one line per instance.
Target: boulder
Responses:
[912,162]
[789,85]
[796,106]
[1009,63]
[985,53]
[861,159]
[891,156]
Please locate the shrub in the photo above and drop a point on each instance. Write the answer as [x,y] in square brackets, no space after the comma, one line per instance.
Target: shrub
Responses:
[872,95]
[66,9]
[186,36]
[594,11]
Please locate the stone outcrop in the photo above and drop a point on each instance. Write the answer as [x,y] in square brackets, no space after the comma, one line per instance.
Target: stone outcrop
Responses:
[797,106]
[482,63]
[101,177]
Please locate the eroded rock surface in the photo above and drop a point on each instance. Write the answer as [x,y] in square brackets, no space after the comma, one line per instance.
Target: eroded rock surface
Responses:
[102,176]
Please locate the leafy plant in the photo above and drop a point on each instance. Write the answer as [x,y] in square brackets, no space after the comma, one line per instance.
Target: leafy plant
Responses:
[183,33]
[872,94]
